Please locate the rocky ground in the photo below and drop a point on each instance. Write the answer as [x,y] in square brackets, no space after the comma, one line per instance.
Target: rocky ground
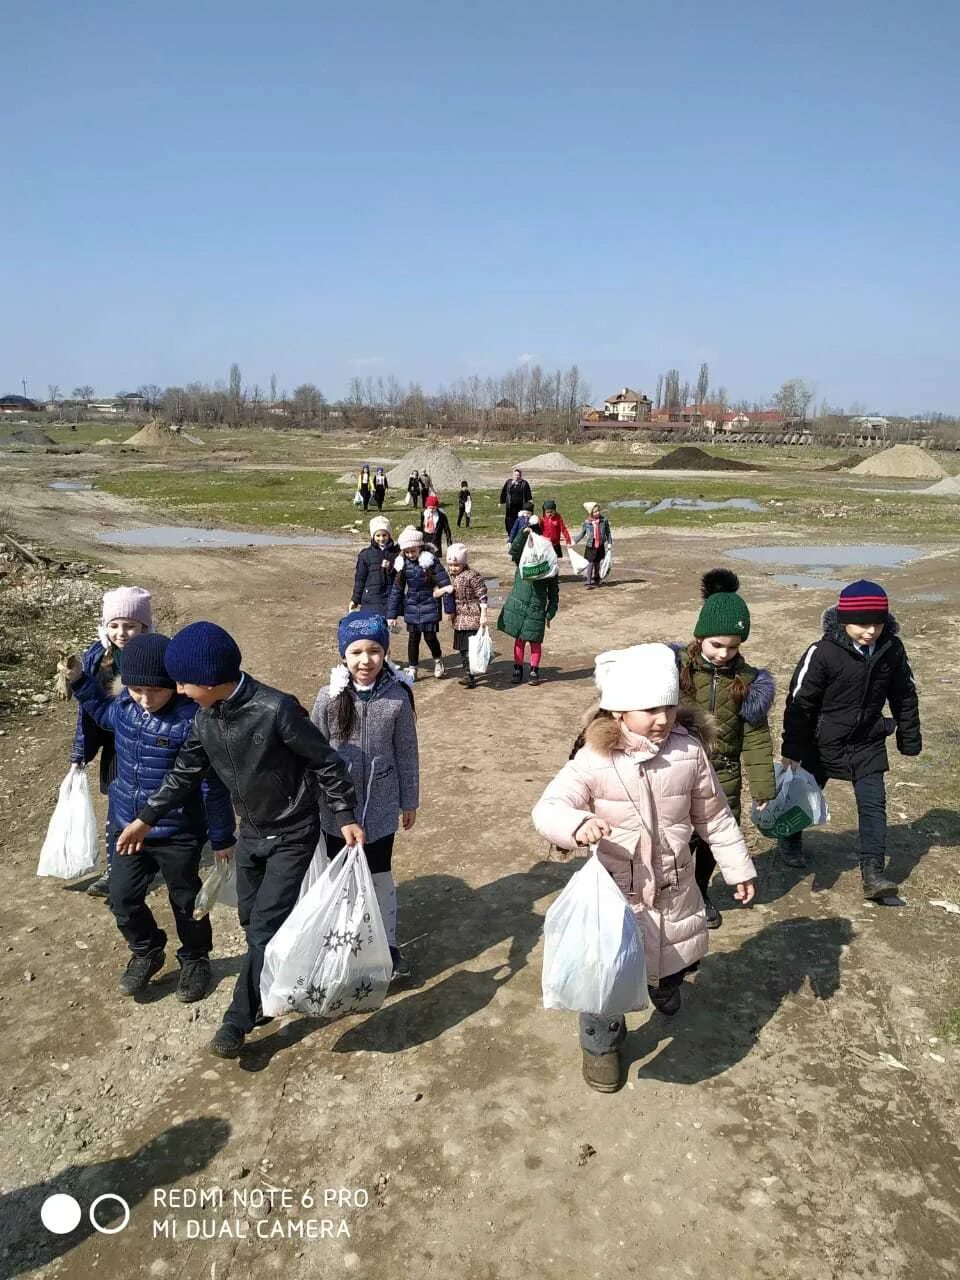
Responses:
[799,1117]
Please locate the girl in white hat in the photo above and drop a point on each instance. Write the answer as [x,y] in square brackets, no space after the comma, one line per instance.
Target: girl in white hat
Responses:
[595,533]
[375,572]
[638,785]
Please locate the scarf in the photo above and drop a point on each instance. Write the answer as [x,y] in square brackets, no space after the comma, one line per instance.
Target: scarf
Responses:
[595,521]
[431,518]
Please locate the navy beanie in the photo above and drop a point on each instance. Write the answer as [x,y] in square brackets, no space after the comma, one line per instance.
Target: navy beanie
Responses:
[143,662]
[861,602]
[363,624]
[203,653]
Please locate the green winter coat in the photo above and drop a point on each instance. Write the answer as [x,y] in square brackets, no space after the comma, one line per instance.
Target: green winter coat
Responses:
[743,736]
[532,602]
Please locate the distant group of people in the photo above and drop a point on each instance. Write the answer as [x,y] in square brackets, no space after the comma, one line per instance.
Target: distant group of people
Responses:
[372,487]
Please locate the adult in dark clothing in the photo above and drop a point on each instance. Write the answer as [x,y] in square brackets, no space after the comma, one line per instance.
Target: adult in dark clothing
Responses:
[513,495]
[380,487]
[464,504]
[364,487]
[375,572]
[434,524]
[278,767]
[413,488]
[834,725]
[426,486]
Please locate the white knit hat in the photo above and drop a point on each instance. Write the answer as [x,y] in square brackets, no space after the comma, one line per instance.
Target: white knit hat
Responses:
[132,603]
[638,679]
[410,537]
[457,553]
[588,506]
[380,524]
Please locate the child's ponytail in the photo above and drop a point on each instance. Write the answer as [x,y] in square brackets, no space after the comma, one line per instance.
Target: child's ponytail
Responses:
[693,652]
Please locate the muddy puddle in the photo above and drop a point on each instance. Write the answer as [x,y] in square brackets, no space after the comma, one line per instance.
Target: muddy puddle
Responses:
[684,504]
[156,537]
[82,486]
[860,555]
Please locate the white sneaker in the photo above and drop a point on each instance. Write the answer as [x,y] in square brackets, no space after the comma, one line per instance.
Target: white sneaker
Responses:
[410,673]
[438,669]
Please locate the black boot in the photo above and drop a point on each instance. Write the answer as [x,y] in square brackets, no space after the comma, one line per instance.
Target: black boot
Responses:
[517,677]
[195,979]
[714,918]
[876,886]
[140,970]
[666,1000]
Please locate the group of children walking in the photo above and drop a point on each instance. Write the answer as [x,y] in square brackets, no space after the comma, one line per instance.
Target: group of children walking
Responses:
[194,749]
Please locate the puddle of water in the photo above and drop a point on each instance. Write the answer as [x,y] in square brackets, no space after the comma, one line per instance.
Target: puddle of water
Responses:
[160,536]
[71,484]
[928,597]
[702,504]
[861,556]
[809,580]
[630,502]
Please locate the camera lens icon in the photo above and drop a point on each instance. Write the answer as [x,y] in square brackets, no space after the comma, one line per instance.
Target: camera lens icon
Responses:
[61,1214]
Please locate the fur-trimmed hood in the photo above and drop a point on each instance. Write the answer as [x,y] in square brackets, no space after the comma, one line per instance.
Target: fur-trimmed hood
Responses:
[602,733]
[761,690]
[833,628]
[426,560]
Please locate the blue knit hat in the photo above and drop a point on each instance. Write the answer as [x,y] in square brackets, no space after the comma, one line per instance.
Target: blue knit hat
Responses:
[203,653]
[143,662]
[363,624]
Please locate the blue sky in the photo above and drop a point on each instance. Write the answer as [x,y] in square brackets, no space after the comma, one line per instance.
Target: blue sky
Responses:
[432,190]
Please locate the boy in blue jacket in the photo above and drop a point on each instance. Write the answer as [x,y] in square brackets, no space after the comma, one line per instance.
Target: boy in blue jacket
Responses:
[150,722]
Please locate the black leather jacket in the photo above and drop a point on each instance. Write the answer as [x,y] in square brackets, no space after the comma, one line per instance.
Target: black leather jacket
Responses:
[273,761]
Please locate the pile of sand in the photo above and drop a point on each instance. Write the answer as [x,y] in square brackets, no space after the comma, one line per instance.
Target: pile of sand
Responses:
[690,458]
[157,434]
[902,462]
[550,462]
[445,469]
[23,435]
[948,487]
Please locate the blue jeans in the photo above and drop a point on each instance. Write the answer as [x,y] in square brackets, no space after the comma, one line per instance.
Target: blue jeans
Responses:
[871,797]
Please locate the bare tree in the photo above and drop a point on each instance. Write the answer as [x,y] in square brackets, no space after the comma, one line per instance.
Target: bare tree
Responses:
[671,389]
[794,399]
[703,382]
[273,388]
[685,394]
[307,402]
[236,393]
[658,396]
[84,393]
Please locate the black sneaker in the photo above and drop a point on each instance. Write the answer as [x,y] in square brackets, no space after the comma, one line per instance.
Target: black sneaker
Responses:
[517,677]
[714,918]
[666,999]
[534,675]
[876,886]
[792,857]
[195,979]
[469,681]
[401,966]
[228,1041]
[140,970]
[100,887]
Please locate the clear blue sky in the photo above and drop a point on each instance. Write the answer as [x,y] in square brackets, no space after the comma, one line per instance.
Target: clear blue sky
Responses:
[432,189]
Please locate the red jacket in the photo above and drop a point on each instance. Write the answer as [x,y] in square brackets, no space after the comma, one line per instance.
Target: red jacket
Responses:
[553,528]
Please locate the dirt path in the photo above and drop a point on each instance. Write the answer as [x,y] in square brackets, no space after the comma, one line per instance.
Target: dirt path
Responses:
[799,1116]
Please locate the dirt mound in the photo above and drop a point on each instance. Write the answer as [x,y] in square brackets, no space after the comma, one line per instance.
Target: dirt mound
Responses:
[902,462]
[550,462]
[157,434]
[948,487]
[842,464]
[23,435]
[444,467]
[690,458]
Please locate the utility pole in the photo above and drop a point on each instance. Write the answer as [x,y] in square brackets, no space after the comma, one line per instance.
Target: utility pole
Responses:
[23,383]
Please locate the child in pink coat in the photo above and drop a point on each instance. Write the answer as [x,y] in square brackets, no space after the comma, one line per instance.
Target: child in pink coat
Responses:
[638,785]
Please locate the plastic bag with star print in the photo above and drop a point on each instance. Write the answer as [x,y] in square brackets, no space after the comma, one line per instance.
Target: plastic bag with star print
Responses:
[330,957]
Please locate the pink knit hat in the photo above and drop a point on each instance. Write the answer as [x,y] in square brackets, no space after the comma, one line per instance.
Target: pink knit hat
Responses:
[132,603]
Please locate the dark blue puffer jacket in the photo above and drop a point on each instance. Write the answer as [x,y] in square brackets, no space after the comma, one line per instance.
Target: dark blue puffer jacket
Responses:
[371,582]
[412,591]
[89,738]
[147,745]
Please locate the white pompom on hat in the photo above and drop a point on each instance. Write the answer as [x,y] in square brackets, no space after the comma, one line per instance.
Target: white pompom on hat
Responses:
[380,524]
[410,537]
[638,679]
[457,553]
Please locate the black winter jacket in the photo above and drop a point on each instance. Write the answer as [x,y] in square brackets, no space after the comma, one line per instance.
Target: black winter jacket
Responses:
[833,722]
[372,582]
[273,761]
[514,494]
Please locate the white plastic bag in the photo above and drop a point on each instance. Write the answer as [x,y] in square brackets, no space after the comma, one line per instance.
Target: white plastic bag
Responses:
[577,562]
[330,957]
[606,564]
[593,958]
[407,498]
[220,887]
[468,506]
[480,652]
[358,499]
[70,847]
[318,865]
[538,558]
[799,803]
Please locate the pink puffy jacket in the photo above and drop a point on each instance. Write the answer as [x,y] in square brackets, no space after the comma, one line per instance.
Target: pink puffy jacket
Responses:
[653,801]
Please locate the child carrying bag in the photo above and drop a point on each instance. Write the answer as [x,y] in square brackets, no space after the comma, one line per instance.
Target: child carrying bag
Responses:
[219,886]
[538,558]
[330,957]
[798,804]
[480,652]
[593,958]
[70,847]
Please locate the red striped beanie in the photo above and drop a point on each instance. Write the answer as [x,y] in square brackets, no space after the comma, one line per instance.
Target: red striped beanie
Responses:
[863,602]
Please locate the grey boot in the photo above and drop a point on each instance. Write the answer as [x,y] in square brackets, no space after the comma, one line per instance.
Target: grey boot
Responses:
[876,886]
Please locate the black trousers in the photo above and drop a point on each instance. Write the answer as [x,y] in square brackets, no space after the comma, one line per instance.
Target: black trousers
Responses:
[870,794]
[461,516]
[378,497]
[430,638]
[270,870]
[177,858]
[379,853]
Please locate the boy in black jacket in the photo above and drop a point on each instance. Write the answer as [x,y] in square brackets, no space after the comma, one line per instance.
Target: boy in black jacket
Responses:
[834,725]
[275,764]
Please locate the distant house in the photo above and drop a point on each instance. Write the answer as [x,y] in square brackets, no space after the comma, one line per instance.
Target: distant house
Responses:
[18,404]
[506,405]
[744,420]
[869,422]
[589,416]
[627,406]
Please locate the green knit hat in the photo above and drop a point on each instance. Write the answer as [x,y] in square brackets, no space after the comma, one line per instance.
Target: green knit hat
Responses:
[724,613]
